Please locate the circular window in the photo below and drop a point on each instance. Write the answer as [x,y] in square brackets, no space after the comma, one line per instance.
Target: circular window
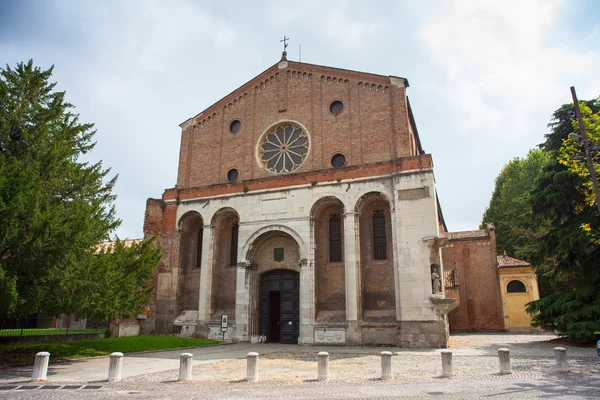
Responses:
[235,126]
[232,175]
[283,148]
[336,107]
[338,161]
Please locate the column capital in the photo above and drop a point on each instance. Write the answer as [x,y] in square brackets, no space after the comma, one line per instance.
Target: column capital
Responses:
[244,265]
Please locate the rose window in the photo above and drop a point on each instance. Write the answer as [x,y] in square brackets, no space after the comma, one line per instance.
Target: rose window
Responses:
[283,148]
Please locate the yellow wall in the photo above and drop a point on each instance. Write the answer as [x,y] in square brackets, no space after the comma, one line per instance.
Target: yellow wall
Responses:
[515,317]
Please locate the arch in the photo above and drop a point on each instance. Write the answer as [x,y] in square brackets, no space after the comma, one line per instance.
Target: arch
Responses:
[516,286]
[191,232]
[222,213]
[369,195]
[250,247]
[188,219]
[324,202]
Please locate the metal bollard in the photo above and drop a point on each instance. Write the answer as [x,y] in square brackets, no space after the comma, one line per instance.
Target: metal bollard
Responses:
[386,364]
[504,357]
[185,367]
[446,363]
[115,367]
[252,367]
[40,368]
[560,355]
[323,363]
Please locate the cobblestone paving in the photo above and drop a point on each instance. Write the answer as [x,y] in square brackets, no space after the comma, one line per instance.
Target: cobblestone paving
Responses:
[291,374]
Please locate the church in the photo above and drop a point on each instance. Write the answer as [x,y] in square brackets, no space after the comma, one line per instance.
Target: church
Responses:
[305,210]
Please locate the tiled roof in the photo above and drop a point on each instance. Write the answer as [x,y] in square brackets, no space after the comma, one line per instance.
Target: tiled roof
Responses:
[481,233]
[506,261]
[105,247]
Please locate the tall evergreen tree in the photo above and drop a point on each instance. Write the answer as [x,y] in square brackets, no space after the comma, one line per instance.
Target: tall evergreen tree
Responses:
[54,207]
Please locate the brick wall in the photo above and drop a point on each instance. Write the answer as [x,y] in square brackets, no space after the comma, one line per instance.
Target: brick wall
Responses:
[373,126]
[480,306]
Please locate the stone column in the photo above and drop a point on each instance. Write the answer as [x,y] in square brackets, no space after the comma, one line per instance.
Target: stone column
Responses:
[40,368]
[242,303]
[307,302]
[323,365]
[386,364]
[350,259]
[504,356]
[185,367]
[446,363]
[115,367]
[206,274]
[252,367]
[560,356]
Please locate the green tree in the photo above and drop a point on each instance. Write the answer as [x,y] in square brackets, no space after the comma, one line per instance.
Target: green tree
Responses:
[510,209]
[568,253]
[115,282]
[54,207]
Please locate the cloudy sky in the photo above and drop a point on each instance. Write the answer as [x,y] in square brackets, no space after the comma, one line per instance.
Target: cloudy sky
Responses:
[485,76]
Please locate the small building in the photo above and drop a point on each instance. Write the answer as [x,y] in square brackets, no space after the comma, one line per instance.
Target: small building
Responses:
[518,285]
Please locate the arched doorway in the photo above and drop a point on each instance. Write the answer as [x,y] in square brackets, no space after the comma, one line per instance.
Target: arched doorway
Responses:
[280,306]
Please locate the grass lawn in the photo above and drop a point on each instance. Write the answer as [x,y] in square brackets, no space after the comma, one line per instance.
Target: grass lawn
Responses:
[25,353]
[46,331]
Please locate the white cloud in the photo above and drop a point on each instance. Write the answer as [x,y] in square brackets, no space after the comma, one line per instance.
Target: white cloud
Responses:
[501,79]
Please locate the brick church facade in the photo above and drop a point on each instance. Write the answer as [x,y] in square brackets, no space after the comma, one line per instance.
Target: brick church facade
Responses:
[306,210]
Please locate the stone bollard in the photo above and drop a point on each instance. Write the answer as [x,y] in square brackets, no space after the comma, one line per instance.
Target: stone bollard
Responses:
[386,364]
[40,368]
[560,355]
[252,367]
[115,367]
[446,363]
[185,367]
[504,357]
[323,362]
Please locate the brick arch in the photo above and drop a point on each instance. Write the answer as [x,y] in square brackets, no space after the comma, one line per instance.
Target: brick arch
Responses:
[329,260]
[225,222]
[377,292]
[191,230]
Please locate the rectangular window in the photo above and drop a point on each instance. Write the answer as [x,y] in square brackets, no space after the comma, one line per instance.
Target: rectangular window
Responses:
[335,238]
[379,236]
[234,245]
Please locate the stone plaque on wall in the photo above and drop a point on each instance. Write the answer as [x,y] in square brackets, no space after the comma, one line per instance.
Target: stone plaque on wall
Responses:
[413,194]
[330,335]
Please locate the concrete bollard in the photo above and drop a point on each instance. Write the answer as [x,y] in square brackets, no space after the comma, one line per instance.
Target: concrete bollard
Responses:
[504,357]
[40,368]
[446,363]
[252,367]
[323,362]
[560,355]
[386,364]
[115,367]
[185,367]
